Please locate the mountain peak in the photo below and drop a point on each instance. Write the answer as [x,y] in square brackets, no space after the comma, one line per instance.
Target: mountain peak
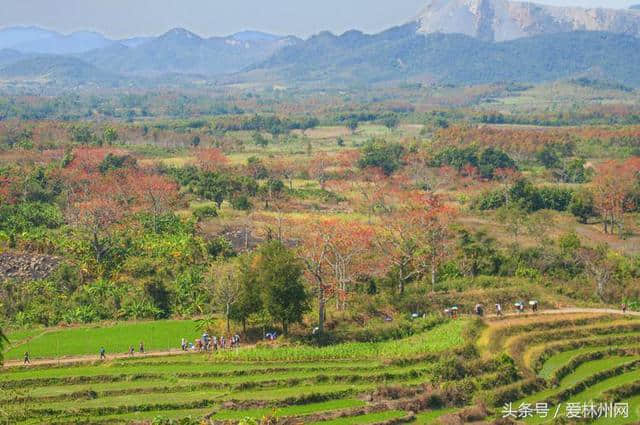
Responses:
[180,33]
[501,20]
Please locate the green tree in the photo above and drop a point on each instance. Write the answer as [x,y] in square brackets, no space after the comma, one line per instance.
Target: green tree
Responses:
[260,140]
[391,121]
[110,135]
[352,125]
[549,157]
[226,288]
[383,155]
[249,302]
[3,342]
[81,134]
[280,277]
[582,206]
[515,219]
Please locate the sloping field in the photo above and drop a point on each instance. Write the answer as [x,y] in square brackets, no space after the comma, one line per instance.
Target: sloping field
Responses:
[439,375]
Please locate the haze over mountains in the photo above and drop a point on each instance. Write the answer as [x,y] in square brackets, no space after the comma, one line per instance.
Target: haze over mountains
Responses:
[450,41]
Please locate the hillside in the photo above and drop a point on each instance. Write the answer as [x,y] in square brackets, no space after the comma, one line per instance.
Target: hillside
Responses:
[401,54]
[461,42]
[57,70]
[181,51]
[500,20]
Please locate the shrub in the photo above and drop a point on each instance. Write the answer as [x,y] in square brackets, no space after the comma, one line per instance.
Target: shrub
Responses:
[383,155]
[207,211]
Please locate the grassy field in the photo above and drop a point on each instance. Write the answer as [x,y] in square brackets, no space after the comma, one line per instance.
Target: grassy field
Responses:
[115,338]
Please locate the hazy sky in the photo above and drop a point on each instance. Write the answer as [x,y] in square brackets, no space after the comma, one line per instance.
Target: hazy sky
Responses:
[126,18]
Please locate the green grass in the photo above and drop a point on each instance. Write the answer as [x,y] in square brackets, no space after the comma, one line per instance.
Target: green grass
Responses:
[363,419]
[305,409]
[429,417]
[556,361]
[440,338]
[116,338]
[22,335]
[591,368]
[595,391]
[582,372]
[146,416]
[171,369]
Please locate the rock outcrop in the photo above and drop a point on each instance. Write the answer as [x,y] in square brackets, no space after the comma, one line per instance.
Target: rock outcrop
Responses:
[501,20]
[25,267]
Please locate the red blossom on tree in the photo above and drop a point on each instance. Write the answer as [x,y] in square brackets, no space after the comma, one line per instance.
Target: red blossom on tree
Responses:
[612,188]
[212,159]
[335,253]
[154,193]
[416,238]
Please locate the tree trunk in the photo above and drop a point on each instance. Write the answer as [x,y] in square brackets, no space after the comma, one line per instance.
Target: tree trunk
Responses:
[433,277]
[321,314]
[228,319]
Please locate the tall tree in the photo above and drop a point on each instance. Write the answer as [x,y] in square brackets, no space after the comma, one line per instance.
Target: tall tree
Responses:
[599,265]
[95,207]
[226,288]
[415,239]
[212,160]
[612,188]
[155,193]
[314,251]
[280,275]
[334,253]
[249,301]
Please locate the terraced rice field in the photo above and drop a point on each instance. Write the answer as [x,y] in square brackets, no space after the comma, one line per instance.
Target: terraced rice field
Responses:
[554,359]
[569,360]
[327,385]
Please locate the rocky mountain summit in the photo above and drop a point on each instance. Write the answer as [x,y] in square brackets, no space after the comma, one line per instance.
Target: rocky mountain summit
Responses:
[502,20]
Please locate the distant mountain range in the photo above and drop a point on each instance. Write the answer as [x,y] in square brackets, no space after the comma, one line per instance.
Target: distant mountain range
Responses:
[450,41]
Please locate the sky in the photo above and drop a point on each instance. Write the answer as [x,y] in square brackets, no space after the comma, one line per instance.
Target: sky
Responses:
[128,18]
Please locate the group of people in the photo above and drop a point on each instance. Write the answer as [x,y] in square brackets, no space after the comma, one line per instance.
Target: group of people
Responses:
[479,309]
[210,343]
[132,351]
[519,306]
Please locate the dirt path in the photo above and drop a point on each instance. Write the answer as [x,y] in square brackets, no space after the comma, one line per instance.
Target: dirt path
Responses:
[95,358]
[570,310]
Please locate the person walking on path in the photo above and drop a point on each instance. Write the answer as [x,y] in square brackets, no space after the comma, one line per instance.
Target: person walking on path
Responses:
[183,344]
[624,308]
[27,360]
[498,310]
[131,351]
[141,347]
[103,353]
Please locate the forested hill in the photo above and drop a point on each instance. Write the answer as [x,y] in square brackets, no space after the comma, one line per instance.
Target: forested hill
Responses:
[401,54]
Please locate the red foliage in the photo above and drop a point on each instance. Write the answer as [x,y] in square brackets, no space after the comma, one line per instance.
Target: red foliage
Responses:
[612,189]
[212,159]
